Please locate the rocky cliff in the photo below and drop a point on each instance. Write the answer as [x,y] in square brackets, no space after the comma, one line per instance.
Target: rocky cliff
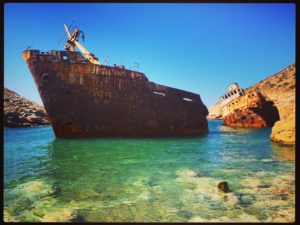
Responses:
[21,112]
[280,88]
[214,112]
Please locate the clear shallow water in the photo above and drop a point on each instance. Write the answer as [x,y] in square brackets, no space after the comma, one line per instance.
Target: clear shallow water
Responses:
[147,180]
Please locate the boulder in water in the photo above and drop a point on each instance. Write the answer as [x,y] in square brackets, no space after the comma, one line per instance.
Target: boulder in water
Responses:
[223,186]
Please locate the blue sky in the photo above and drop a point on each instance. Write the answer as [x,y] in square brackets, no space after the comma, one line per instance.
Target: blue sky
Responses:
[201,48]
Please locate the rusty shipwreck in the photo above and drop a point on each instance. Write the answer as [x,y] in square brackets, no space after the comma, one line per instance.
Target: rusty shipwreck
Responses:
[84,98]
[251,109]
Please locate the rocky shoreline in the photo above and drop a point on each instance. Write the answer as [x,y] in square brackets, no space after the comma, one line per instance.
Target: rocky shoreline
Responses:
[21,112]
[283,131]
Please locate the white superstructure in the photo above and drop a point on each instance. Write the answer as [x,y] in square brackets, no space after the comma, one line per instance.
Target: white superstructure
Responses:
[234,91]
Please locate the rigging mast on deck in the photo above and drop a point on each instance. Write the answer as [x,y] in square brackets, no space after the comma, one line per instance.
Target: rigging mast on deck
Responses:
[73,40]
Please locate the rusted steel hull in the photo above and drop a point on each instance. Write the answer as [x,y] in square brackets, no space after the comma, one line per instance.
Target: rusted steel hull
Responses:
[251,110]
[87,100]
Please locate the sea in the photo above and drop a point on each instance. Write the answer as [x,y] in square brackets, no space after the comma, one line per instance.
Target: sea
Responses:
[148,179]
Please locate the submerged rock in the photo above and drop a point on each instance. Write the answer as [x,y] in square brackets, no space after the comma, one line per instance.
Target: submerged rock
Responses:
[7,217]
[77,217]
[284,196]
[264,186]
[185,214]
[245,199]
[59,215]
[239,218]
[32,190]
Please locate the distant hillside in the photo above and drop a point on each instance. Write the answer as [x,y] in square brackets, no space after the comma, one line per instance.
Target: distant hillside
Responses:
[21,112]
[213,112]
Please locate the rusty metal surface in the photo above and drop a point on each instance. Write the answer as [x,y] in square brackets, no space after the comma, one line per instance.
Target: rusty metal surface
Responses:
[251,110]
[87,100]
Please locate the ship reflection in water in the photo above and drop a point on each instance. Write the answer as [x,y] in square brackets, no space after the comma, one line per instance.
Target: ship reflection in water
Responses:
[148,180]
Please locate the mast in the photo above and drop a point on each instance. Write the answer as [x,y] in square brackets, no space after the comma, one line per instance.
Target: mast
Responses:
[73,40]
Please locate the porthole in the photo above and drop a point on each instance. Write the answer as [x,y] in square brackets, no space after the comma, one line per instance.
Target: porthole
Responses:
[65,57]
[45,77]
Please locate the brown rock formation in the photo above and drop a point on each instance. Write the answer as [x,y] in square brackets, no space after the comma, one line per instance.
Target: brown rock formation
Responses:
[284,131]
[280,88]
[21,112]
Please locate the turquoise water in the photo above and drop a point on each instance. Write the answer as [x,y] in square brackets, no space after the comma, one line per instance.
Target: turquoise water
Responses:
[148,180]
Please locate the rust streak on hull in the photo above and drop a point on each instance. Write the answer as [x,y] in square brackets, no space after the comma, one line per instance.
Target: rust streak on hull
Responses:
[251,110]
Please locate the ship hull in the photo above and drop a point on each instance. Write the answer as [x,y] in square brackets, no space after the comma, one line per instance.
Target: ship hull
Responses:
[87,100]
[250,110]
